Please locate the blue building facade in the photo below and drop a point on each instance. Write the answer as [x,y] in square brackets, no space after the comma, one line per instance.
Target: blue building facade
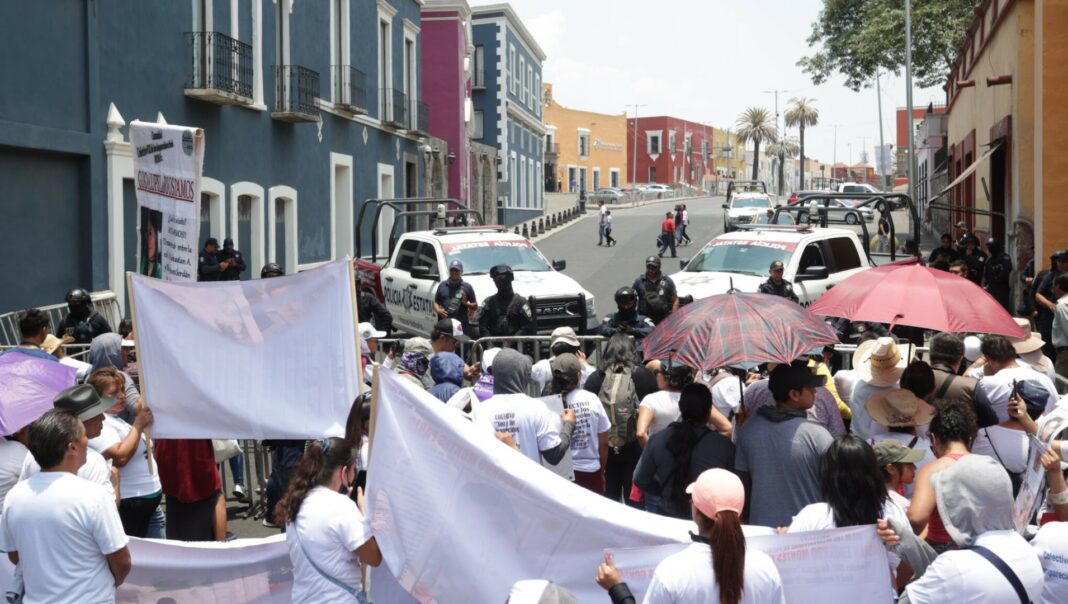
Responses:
[308,107]
[508,109]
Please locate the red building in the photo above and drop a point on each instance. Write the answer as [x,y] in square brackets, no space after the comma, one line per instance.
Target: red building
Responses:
[669,150]
[904,125]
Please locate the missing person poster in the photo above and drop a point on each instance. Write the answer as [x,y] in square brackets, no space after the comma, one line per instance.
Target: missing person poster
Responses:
[168,161]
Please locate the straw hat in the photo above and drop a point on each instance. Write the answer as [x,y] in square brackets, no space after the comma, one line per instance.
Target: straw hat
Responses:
[899,408]
[1029,344]
[880,362]
[51,343]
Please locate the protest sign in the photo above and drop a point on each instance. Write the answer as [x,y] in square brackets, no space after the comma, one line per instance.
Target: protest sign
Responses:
[1029,498]
[168,161]
[262,359]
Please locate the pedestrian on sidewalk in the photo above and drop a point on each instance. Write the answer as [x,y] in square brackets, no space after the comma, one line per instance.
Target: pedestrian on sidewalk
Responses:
[667,236]
[609,241]
[602,214]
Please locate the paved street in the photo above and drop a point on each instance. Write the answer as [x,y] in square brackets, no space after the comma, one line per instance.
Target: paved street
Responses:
[603,270]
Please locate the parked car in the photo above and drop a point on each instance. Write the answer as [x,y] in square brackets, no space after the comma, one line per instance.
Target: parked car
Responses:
[848,211]
[742,208]
[607,195]
[658,190]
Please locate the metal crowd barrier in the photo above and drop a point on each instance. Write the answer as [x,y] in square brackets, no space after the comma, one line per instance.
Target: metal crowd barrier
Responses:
[104,302]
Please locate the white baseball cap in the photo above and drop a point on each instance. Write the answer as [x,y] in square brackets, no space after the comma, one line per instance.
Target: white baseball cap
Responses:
[368,332]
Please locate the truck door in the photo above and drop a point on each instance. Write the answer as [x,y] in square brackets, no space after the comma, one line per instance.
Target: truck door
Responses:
[398,286]
[812,255]
[423,314]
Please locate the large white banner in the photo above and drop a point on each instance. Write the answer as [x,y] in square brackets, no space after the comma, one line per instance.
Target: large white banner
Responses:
[460,517]
[168,161]
[263,359]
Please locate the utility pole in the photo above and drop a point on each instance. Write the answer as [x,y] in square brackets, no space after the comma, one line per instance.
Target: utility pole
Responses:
[908,99]
[882,148]
[835,150]
[634,163]
[777,135]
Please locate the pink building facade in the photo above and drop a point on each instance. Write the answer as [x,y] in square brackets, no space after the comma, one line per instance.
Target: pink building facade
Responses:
[447,56]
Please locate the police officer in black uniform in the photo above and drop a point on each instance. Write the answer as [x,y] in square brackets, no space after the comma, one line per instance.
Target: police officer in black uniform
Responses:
[209,268]
[82,322]
[370,309]
[776,285]
[657,296]
[974,259]
[505,313]
[626,320]
[234,257]
[998,275]
[272,269]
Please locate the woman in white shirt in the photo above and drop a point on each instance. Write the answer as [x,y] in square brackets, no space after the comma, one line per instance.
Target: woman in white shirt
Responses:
[659,409]
[326,533]
[739,575]
[589,441]
[126,447]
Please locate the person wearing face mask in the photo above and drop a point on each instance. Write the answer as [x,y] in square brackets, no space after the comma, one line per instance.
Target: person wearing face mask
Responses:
[505,313]
[626,320]
[326,532]
[657,296]
[82,322]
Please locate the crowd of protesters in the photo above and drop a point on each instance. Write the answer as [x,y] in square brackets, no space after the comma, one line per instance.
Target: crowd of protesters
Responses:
[930,450]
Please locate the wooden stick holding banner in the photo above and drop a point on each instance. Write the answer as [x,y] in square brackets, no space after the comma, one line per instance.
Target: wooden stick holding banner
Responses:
[141,370]
[356,321]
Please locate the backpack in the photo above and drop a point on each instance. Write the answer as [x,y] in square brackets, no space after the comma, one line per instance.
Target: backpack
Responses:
[654,305]
[620,402]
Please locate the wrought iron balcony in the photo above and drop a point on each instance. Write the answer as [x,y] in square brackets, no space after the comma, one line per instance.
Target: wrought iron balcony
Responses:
[552,151]
[221,69]
[394,107]
[296,94]
[350,89]
[420,117]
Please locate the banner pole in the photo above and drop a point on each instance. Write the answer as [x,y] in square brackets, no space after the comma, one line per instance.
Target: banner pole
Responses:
[365,571]
[356,320]
[141,370]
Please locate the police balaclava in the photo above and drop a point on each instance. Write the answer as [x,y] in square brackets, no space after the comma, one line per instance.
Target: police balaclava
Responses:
[502,277]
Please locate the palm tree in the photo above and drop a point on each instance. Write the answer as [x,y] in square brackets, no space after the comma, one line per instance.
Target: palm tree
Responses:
[755,124]
[802,113]
[783,149]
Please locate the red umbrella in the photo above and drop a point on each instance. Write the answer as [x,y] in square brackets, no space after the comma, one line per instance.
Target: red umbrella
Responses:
[906,293]
[736,328]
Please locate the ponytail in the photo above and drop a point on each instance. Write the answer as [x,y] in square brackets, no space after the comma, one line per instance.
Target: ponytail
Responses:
[728,556]
[321,459]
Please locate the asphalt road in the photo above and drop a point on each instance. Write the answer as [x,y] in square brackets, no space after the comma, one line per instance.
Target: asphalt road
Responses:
[603,270]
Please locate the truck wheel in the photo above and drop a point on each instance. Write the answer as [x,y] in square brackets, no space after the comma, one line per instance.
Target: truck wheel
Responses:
[851,219]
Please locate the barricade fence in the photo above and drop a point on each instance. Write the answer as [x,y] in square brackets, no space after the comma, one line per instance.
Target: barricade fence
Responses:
[104,302]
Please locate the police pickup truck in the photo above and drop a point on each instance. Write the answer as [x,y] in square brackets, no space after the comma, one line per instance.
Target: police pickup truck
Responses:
[408,280]
[815,259]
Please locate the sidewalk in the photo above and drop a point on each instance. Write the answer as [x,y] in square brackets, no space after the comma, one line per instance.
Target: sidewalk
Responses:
[559,202]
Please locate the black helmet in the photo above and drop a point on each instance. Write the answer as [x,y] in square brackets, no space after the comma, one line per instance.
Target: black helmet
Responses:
[992,245]
[626,295]
[78,296]
[501,270]
[272,269]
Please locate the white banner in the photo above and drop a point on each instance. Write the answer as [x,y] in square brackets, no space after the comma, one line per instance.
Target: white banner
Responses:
[263,359]
[168,161]
[460,517]
[1029,499]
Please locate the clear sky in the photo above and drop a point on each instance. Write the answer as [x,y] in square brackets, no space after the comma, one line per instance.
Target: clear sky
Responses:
[706,61]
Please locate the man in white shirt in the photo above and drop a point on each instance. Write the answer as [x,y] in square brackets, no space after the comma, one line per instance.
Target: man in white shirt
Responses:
[1000,373]
[62,530]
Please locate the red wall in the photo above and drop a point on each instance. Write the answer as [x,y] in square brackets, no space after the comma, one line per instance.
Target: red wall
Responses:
[666,165]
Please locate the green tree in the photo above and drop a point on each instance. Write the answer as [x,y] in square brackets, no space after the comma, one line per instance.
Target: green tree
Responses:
[783,149]
[858,38]
[755,124]
[801,113]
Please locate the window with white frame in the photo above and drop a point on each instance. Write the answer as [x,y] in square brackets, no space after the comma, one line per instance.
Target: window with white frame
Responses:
[512,81]
[653,142]
[531,100]
[386,12]
[671,141]
[584,143]
[477,135]
[479,75]
[339,52]
[537,87]
[522,80]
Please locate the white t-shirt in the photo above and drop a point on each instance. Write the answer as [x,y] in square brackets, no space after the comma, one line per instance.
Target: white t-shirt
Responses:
[542,373]
[997,388]
[96,470]
[1051,545]
[820,517]
[135,478]
[591,420]
[965,576]
[12,454]
[528,420]
[62,527]
[862,423]
[687,577]
[1004,445]
[727,397]
[331,528]
[665,407]
[844,381]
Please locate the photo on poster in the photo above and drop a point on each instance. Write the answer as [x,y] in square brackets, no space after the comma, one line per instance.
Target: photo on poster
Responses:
[151,252]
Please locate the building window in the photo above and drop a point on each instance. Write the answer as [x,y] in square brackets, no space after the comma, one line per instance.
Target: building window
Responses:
[480,75]
[339,51]
[385,68]
[584,144]
[531,100]
[522,80]
[654,144]
[537,87]
[613,177]
[652,174]
[478,125]
[671,142]
[512,81]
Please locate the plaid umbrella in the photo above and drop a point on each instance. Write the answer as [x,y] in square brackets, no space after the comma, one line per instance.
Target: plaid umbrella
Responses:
[736,328]
[30,384]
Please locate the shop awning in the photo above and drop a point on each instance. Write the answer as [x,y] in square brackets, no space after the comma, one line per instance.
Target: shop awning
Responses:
[969,170]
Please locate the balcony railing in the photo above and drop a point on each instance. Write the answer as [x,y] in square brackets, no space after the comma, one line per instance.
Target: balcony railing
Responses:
[552,150]
[296,94]
[350,89]
[394,107]
[221,68]
[420,117]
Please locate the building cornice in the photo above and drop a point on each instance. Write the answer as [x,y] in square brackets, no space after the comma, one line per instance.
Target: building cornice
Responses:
[460,6]
[521,114]
[483,13]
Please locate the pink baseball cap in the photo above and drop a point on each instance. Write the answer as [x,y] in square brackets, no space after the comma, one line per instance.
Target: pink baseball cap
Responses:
[716,490]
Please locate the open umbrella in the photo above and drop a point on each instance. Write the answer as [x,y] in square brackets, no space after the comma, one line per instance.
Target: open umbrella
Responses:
[29,385]
[737,328]
[906,293]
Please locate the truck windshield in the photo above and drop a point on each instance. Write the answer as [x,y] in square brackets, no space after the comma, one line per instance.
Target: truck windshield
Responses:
[479,258]
[746,257]
[751,202]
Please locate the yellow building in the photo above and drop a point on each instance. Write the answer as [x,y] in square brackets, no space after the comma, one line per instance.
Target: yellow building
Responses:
[728,160]
[584,151]
[1008,129]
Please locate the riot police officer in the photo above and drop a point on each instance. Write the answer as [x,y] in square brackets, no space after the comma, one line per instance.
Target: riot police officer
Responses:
[82,322]
[272,269]
[996,280]
[235,259]
[657,296]
[505,313]
[209,268]
[371,310]
[776,285]
[626,320]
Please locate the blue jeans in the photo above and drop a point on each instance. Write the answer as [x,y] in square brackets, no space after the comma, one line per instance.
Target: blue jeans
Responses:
[600,234]
[157,525]
[237,468]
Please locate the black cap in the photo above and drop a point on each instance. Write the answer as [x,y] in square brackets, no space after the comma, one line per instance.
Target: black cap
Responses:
[500,270]
[651,260]
[1061,255]
[83,401]
[792,377]
[271,269]
[694,402]
[78,295]
[228,242]
[776,265]
[211,241]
